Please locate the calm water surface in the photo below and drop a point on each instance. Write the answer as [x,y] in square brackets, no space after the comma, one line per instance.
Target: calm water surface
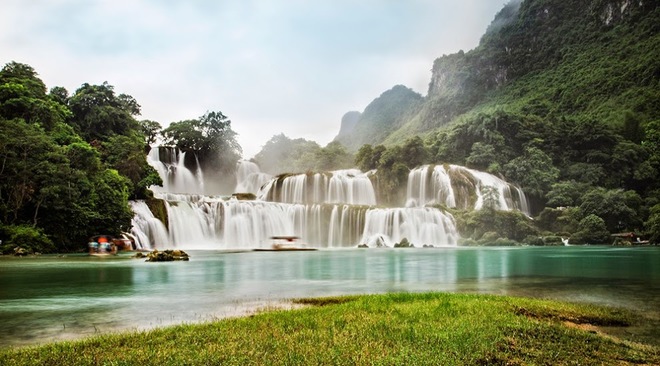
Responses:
[51,298]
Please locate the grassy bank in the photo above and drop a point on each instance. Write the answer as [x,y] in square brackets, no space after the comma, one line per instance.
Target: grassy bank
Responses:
[432,328]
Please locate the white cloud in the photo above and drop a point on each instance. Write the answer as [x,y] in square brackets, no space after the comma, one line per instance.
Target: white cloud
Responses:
[291,66]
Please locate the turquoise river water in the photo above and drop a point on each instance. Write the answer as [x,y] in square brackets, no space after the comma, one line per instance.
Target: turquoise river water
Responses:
[49,298]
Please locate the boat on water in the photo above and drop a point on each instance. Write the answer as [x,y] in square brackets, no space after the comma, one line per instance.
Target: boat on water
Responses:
[104,245]
[285,243]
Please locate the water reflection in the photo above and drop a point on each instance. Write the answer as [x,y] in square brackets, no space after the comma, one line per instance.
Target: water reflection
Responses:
[48,298]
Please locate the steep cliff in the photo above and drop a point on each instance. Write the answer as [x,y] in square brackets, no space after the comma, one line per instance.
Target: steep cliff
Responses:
[383,115]
[595,58]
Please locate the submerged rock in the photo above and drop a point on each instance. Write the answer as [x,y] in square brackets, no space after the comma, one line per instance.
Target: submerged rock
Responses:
[167,256]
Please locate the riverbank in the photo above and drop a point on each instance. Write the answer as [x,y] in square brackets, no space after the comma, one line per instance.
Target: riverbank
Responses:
[427,328]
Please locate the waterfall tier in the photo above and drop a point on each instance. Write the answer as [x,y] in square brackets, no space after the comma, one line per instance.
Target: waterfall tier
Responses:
[177,178]
[341,186]
[213,223]
[459,187]
[249,179]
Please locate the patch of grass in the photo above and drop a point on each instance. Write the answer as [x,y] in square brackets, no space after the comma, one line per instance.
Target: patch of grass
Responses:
[412,329]
[324,301]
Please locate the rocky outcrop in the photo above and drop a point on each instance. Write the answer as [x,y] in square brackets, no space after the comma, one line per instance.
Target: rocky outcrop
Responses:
[167,256]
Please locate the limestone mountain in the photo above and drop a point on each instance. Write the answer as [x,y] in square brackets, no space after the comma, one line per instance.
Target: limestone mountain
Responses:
[596,59]
[383,116]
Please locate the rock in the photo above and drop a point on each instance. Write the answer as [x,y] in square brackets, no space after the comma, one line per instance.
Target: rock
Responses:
[404,244]
[20,252]
[363,246]
[167,256]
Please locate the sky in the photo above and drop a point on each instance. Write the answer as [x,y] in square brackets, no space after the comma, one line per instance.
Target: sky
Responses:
[271,66]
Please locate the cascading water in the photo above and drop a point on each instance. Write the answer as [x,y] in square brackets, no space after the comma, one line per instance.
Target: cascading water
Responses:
[177,178]
[147,230]
[326,210]
[249,179]
[460,187]
[421,226]
[349,186]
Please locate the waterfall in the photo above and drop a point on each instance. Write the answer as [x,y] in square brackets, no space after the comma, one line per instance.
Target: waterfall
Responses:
[349,186]
[460,187]
[249,179]
[326,210]
[215,223]
[148,231]
[173,171]
[420,226]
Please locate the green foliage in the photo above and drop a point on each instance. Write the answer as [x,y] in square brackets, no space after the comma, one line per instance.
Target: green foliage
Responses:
[381,117]
[33,239]
[98,113]
[126,155]
[619,209]
[500,224]
[282,154]
[210,138]
[151,130]
[591,230]
[23,96]
[652,225]
[56,188]
[566,194]
[533,171]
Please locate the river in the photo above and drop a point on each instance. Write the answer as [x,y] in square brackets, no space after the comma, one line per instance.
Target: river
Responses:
[48,298]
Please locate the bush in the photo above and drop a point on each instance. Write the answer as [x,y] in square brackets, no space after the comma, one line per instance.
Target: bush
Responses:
[489,237]
[552,240]
[591,230]
[533,240]
[25,236]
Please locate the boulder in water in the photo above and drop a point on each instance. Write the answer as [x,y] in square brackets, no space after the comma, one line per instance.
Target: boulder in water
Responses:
[167,256]
[404,244]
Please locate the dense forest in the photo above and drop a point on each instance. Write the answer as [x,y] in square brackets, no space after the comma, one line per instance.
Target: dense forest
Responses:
[561,98]
[70,163]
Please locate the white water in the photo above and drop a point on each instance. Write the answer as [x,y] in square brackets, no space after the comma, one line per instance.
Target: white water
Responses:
[421,226]
[457,186]
[326,210]
[177,178]
[249,179]
[349,186]
[147,230]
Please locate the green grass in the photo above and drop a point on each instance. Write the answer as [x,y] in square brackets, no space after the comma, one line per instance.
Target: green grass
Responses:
[400,329]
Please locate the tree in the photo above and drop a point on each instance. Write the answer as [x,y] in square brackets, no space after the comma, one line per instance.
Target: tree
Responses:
[652,224]
[23,95]
[210,137]
[566,194]
[534,171]
[332,157]
[151,131]
[126,155]
[414,152]
[98,113]
[618,208]
[591,230]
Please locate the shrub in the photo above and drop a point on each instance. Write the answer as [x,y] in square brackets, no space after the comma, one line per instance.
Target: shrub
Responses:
[25,236]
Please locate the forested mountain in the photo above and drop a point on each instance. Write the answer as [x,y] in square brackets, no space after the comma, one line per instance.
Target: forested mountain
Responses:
[550,58]
[562,98]
[383,115]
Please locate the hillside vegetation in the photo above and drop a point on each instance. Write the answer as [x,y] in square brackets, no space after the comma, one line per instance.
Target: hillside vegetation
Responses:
[560,98]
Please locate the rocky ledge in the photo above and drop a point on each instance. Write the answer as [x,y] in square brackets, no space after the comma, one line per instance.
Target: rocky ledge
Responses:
[165,256]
